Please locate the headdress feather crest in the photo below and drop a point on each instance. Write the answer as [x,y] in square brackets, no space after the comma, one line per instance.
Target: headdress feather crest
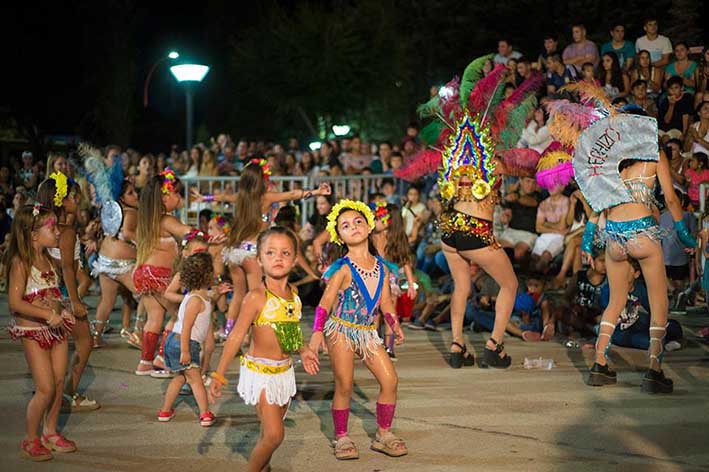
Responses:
[106,181]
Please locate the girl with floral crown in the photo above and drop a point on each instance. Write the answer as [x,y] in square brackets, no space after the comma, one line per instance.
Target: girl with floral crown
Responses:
[240,251]
[346,319]
[157,234]
[63,195]
[475,124]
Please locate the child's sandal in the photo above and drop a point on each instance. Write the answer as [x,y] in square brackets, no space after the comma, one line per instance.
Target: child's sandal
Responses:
[58,443]
[389,444]
[345,449]
[35,451]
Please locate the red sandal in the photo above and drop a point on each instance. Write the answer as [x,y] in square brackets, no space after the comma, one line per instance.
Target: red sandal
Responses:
[58,443]
[34,451]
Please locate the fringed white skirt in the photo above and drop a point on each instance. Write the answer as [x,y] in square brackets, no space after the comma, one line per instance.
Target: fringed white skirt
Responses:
[236,255]
[111,267]
[361,339]
[275,378]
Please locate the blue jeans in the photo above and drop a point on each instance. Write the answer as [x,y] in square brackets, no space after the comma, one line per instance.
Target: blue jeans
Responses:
[424,262]
[441,262]
[638,335]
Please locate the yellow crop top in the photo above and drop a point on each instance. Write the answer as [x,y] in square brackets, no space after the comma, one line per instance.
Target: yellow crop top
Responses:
[284,317]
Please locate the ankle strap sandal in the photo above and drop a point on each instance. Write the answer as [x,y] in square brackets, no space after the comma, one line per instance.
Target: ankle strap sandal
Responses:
[491,358]
[459,359]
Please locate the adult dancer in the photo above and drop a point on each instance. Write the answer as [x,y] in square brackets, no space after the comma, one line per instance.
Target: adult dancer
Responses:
[617,163]
[478,124]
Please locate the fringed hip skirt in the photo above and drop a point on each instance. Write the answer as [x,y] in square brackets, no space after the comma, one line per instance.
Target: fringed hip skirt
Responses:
[111,267]
[45,336]
[149,279]
[361,339]
[627,233]
[276,378]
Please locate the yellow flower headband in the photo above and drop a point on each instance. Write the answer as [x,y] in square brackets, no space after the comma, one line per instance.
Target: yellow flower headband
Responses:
[61,190]
[341,206]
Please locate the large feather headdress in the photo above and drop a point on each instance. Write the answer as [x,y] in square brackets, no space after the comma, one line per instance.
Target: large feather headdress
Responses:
[472,122]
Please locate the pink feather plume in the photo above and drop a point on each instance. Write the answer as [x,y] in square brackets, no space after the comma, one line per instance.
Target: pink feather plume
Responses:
[423,163]
[520,161]
[485,89]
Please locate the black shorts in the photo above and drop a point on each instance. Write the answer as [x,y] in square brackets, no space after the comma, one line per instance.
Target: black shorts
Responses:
[677,272]
[463,241]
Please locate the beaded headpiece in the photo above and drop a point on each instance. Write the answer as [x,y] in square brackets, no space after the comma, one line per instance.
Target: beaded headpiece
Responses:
[61,189]
[222,223]
[265,168]
[380,212]
[473,121]
[341,206]
[169,181]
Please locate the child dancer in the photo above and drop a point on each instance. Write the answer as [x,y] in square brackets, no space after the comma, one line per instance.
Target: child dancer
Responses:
[240,253]
[62,195]
[354,293]
[273,313]
[157,235]
[390,241]
[42,324]
[192,329]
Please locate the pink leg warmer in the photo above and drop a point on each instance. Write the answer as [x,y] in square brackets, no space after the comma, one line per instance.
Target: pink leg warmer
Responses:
[340,419]
[385,415]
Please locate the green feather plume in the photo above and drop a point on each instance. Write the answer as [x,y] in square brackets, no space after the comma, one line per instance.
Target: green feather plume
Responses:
[429,134]
[430,108]
[472,74]
[516,121]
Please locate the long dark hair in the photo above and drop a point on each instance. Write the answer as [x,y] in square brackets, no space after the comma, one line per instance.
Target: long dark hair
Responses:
[252,187]
[616,72]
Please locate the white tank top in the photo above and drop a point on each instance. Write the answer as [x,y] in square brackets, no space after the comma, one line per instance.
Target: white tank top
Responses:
[200,328]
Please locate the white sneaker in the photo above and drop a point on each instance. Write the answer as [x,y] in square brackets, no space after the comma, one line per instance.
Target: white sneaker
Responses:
[673,346]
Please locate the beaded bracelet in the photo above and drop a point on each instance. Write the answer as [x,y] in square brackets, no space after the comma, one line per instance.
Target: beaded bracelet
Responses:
[208,197]
[219,378]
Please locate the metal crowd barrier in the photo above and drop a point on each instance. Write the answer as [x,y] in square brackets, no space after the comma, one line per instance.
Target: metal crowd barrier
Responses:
[355,186]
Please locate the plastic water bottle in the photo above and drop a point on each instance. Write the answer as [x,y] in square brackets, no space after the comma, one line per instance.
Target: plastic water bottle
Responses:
[538,363]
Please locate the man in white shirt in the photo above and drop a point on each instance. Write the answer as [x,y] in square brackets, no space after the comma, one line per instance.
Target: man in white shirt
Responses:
[659,47]
[505,52]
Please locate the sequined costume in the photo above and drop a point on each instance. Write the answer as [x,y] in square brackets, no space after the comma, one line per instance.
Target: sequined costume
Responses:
[150,279]
[274,377]
[42,287]
[355,314]
[113,268]
[236,255]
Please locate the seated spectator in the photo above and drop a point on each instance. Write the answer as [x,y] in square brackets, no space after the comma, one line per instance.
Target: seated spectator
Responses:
[640,98]
[696,172]
[697,140]
[702,79]
[558,74]
[431,241]
[524,70]
[508,90]
[673,149]
[195,162]
[624,50]
[581,50]
[657,45]
[576,219]
[683,67]
[521,207]
[588,75]
[413,209]
[551,227]
[307,166]
[633,329]
[388,188]
[582,311]
[513,77]
[536,135]
[614,81]
[644,70]
[354,161]
[551,44]
[676,258]
[505,52]
[381,163]
[619,102]
[674,110]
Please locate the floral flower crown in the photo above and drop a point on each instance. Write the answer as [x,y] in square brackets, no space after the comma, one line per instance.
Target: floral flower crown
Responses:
[222,223]
[36,207]
[191,236]
[341,206]
[169,181]
[61,189]
[381,212]
[265,168]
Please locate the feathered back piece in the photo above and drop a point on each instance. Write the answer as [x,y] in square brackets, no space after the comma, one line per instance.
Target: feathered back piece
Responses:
[554,168]
[568,120]
[106,181]
[473,122]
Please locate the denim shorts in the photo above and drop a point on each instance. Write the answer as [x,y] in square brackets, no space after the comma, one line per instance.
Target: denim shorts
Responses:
[172,354]
[535,323]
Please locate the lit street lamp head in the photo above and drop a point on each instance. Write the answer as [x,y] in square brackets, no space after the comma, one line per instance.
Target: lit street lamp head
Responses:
[189,72]
[173,55]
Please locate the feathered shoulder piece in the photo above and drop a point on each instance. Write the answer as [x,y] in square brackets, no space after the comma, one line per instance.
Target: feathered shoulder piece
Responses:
[602,137]
[472,122]
[107,181]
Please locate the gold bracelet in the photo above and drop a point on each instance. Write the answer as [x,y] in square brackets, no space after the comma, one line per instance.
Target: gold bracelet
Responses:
[219,378]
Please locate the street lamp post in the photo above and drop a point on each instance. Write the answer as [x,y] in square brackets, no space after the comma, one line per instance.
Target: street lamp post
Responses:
[171,55]
[188,75]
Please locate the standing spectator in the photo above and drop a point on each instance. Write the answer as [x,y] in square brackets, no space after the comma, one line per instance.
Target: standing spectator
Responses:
[683,67]
[354,161]
[581,50]
[195,162]
[675,110]
[698,134]
[524,70]
[382,162]
[676,258]
[413,209]
[644,70]
[640,98]
[559,74]
[614,81]
[294,147]
[146,169]
[505,52]
[28,174]
[290,164]
[696,172]
[551,45]
[625,50]
[512,76]
[536,135]
[6,186]
[657,45]
[307,165]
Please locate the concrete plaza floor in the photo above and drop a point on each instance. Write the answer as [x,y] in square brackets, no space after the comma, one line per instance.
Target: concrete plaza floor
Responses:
[452,420]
